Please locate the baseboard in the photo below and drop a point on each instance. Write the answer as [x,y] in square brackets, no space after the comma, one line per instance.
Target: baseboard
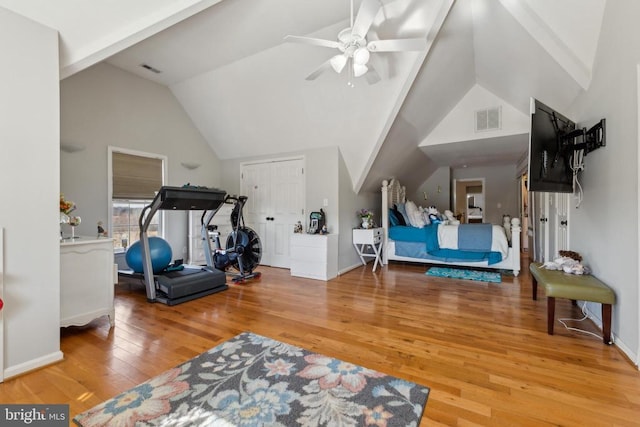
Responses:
[628,353]
[33,364]
[349,268]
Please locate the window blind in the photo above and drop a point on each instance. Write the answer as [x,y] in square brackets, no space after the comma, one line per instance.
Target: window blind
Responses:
[135,177]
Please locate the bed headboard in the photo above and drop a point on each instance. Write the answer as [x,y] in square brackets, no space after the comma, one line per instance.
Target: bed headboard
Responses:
[395,193]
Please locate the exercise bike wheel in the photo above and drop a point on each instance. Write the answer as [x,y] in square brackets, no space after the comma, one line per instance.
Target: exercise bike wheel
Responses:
[246,244]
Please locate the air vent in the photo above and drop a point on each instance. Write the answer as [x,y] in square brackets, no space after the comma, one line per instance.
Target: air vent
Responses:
[150,68]
[489,119]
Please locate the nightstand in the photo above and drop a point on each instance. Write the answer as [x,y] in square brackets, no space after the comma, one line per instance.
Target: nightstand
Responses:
[365,238]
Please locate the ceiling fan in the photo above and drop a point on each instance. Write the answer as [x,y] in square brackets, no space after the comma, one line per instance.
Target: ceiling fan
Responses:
[353,46]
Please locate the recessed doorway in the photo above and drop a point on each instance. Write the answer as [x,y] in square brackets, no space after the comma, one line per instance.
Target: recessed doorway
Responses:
[469,200]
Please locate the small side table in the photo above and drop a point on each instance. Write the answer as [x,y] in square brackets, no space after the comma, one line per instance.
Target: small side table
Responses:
[363,238]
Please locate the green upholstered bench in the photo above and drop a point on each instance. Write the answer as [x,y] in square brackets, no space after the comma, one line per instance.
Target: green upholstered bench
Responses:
[558,284]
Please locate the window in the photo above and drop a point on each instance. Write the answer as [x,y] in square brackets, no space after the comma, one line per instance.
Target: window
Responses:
[135,179]
[125,216]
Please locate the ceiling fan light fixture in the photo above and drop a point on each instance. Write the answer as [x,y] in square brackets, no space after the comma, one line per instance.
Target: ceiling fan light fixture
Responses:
[359,70]
[338,62]
[354,49]
[361,56]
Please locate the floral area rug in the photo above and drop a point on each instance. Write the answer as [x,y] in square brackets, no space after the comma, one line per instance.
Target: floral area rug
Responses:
[456,273]
[252,380]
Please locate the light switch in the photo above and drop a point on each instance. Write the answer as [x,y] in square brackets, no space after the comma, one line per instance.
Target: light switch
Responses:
[325,202]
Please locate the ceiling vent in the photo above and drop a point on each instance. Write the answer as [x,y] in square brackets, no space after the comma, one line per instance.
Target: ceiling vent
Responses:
[489,119]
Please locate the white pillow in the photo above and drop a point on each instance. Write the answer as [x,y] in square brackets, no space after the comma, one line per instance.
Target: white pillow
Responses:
[415,217]
[425,215]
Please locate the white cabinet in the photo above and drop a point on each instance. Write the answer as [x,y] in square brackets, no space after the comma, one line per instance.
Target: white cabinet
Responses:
[314,256]
[87,276]
[368,239]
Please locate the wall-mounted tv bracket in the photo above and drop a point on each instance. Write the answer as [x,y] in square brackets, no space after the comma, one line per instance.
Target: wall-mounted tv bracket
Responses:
[592,139]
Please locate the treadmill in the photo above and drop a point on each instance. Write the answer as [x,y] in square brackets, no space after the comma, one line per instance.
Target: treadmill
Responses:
[175,287]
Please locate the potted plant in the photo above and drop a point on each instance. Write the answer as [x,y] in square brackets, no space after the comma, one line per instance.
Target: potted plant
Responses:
[365,216]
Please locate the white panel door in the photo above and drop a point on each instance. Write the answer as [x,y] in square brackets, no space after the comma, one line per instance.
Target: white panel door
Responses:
[287,191]
[540,226]
[255,184]
[275,203]
[551,226]
[562,229]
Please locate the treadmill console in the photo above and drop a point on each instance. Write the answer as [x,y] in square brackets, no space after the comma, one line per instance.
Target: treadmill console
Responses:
[190,198]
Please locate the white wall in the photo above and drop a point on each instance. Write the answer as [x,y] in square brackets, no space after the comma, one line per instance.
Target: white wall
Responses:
[350,203]
[438,191]
[29,184]
[501,189]
[610,180]
[106,106]
[459,124]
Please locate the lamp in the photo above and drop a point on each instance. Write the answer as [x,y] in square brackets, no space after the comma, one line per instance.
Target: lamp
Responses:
[338,62]
[361,56]
[359,70]
[190,165]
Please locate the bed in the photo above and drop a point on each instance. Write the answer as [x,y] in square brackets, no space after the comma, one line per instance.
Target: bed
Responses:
[472,245]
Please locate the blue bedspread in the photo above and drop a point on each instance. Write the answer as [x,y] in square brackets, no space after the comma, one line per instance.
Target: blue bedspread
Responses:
[423,243]
[475,237]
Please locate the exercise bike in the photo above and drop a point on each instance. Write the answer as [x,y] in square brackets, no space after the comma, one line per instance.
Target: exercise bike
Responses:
[243,249]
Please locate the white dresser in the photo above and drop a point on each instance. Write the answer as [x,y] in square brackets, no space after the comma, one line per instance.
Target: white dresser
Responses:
[314,256]
[87,277]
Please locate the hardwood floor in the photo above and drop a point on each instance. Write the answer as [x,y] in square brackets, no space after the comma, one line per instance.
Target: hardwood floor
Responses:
[482,348]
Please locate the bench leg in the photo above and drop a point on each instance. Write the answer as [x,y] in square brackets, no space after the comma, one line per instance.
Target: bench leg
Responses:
[534,288]
[606,323]
[551,310]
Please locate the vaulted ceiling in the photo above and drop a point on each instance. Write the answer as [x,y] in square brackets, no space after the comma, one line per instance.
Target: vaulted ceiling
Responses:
[244,88]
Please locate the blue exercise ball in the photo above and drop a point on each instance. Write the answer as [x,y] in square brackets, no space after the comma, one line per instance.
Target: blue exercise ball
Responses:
[159,250]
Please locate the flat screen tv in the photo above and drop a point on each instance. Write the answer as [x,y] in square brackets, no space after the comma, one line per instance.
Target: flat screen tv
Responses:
[551,148]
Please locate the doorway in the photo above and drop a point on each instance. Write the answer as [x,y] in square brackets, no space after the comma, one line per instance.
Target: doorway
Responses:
[469,199]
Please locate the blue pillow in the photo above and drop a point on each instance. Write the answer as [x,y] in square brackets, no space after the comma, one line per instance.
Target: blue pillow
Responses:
[399,216]
[393,219]
[403,212]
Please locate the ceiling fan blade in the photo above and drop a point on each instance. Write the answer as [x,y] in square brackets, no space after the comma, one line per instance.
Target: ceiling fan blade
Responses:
[397,45]
[313,41]
[321,69]
[367,12]
[372,75]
